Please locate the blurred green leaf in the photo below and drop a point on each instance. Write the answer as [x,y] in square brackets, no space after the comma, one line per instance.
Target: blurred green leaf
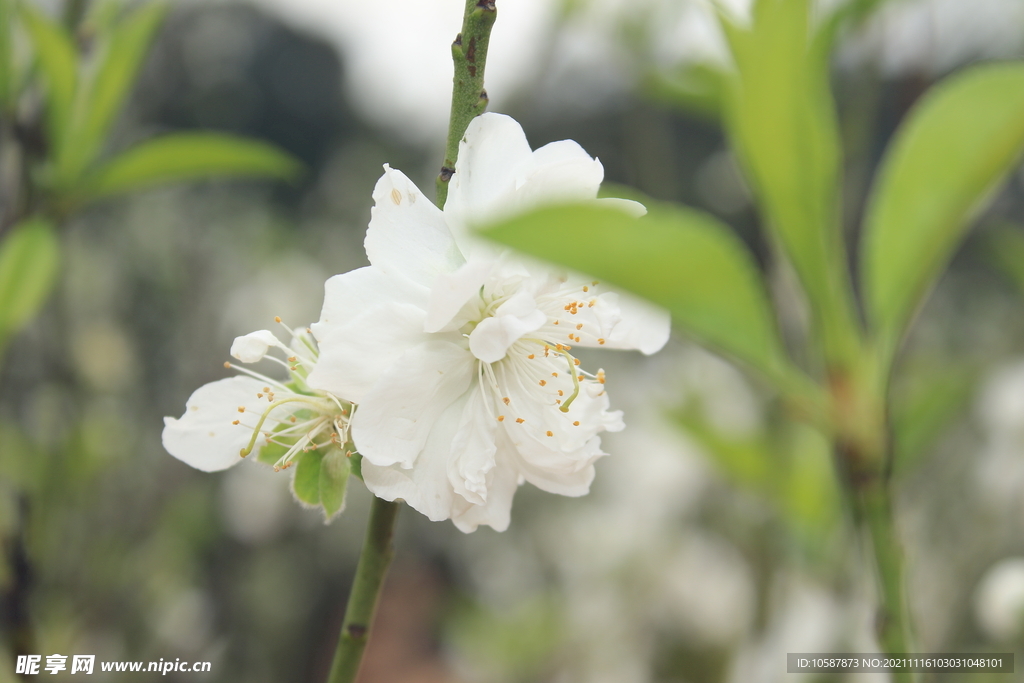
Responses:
[694,88]
[306,483]
[334,473]
[781,118]
[924,409]
[186,156]
[947,158]
[121,57]
[6,56]
[29,256]
[746,461]
[58,61]
[678,258]
[1005,246]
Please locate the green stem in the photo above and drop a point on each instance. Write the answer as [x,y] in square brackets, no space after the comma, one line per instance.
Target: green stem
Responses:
[469,99]
[892,625]
[374,560]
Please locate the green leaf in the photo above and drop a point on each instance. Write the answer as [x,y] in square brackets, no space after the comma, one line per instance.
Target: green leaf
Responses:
[925,408]
[1005,246]
[187,156]
[306,483]
[334,473]
[6,57]
[58,61]
[678,258]
[119,63]
[781,119]
[29,256]
[947,159]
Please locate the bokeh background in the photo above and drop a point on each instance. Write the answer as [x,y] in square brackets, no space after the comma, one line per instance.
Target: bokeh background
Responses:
[713,541]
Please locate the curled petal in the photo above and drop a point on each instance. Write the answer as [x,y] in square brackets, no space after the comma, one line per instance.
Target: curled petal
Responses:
[252,347]
[473,450]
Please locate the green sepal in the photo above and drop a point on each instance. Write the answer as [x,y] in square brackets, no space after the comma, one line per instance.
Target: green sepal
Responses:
[335,468]
[306,483]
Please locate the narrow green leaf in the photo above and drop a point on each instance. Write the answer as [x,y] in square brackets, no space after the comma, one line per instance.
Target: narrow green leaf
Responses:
[1005,247]
[58,61]
[948,157]
[781,119]
[306,483]
[678,258]
[122,54]
[29,256]
[6,56]
[187,156]
[334,473]
[923,410]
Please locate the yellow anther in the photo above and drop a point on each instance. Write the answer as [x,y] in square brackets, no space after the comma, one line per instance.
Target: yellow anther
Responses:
[259,395]
[227,364]
[501,418]
[586,289]
[234,422]
[520,420]
[531,356]
[505,400]
[576,423]
[277,318]
[600,341]
[543,382]
[554,374]
[241,409]
[550,433]
[580,326]
[561,393]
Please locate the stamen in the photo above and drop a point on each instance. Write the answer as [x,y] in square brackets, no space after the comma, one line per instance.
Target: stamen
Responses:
[586,289]
[543,382]
[520,420]
[600,341]
[501,418]
[550,433]
[576,423]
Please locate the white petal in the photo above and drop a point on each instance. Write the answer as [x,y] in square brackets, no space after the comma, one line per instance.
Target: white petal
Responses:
[252,347]
[425,487]
[473,449]
[502,483]
[642,326]
[558,172]
[355,354]
[348,295]
[204,437]
[407,235]
[452,292]
[493,148]
[634,209]
[565,484]
[516,317]
[394,418]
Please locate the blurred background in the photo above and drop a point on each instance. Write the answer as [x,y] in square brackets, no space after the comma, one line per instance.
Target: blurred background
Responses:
[713,540]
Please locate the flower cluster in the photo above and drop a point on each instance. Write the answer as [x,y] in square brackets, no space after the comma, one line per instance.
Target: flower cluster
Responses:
[457,358]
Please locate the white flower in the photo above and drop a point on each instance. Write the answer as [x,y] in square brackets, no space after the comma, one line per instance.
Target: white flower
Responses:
[462,369]
[225,420]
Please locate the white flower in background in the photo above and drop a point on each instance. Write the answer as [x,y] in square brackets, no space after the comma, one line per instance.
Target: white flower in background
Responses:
[463,370]
[225,420]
